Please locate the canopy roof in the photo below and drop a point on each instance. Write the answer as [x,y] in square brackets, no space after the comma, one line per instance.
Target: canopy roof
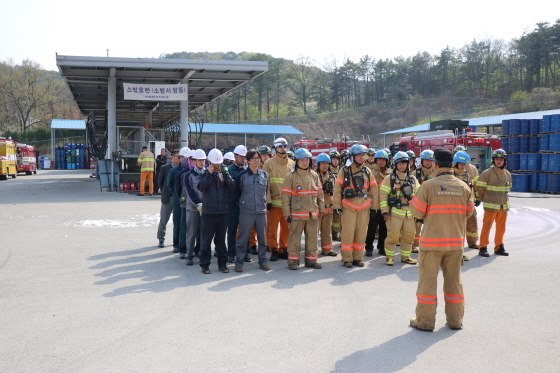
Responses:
[87,78]
[68,124]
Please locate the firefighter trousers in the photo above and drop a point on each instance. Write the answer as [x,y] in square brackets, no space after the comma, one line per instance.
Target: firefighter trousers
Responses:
[336,223]
[376,221]
[275,241]
[353,234]
[418,226]
[500,217]
[309,228]
[429,262]
[147,175]
[472,229]
[399,230]
[325,222]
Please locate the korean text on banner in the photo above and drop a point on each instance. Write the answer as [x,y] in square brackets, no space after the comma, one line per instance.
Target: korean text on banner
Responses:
[155,92]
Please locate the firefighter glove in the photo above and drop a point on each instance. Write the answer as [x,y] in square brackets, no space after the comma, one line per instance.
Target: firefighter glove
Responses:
[386,215]
[477,202]
[372,213]
[269,206]
[337,211]
[182,199]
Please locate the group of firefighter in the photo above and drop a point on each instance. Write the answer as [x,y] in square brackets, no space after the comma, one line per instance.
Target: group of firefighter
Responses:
[263,202]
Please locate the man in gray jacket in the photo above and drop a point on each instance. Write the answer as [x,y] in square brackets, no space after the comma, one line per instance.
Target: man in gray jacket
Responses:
[194,204]
[166,197]
[251,187]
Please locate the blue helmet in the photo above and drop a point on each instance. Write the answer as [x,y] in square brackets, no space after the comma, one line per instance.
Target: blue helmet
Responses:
[461,157]
[427,155]
[323,157]
[400,157]
[381,154]
[358,149]
[302,153]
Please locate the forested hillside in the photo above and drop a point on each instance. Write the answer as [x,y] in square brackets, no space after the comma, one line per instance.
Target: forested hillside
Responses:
[355,97]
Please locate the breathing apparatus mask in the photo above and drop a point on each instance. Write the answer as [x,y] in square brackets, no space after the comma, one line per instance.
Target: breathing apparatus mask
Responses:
[358,182]
[407,191]
[328,187]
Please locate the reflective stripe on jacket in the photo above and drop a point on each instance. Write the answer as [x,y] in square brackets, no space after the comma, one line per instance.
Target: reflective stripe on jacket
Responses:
[385,193]
[146,161]
[276,168]
[444,202]
[356,203]
[492,188]
[302,195]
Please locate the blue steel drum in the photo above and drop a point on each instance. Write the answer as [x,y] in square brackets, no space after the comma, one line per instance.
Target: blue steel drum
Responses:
[520,182]
[513,162]
[505,142]
[554,142]
[544,162]
[514,127]
[534,144]
[543,181]
[544,142]
[534,126]
[555,123]
[545,124]
[514,144]
[505,127]
[553,183]
[533,182]
[554,163]
[533,161]
[524,128]
[524,144]
[523,164]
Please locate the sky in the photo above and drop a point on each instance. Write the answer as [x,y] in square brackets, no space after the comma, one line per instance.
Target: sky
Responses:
[322,31]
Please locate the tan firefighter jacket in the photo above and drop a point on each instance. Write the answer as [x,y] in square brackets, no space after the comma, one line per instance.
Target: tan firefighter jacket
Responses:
[422,174]
[464,176]
[334,170]
[302,195]
[367,198]
[445,203]
[276,168]
[378,174]
[492,188]
[328,198]
[385,192]
[146,161]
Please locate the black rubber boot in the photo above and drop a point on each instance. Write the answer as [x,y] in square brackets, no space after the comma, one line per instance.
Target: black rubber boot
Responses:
[501,251]
[369,252]
[484,252]
[274,255]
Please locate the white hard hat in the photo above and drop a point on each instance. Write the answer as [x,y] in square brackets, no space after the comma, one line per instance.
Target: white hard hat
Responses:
[215,156]
[184,151]
[280,141]
[199,154]
[229,156]
[190,153]
[240,150]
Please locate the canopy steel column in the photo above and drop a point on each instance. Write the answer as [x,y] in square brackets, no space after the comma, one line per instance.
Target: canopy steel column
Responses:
[111,123]
[184,106]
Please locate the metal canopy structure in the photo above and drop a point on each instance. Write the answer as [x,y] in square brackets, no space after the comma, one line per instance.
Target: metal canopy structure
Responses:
[88,79]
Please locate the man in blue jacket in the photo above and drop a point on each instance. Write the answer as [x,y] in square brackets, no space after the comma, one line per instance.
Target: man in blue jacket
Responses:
[166,198]
[194,204]
[174,185]
[214,185]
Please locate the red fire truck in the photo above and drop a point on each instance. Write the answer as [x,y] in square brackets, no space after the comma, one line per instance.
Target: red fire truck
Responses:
[26,159]
[317,147]
[479,145]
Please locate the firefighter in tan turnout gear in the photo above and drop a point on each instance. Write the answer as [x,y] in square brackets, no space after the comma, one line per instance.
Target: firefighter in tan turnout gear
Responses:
[335,169]
[423,173]
[397,190]
[327,179]
[460,162]
[443,203]
[379,170]
[472,224]
[302,207]
[277,167]
[357,195]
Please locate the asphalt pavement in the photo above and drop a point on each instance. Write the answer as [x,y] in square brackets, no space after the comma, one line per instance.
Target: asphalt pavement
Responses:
[84,288]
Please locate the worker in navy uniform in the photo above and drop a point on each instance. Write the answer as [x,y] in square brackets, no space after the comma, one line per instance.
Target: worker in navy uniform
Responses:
[174,186]
[161,160]
[214,185]
[166,197]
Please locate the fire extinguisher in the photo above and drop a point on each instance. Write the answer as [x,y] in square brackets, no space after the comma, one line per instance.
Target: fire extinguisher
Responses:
[126,185]
[137,185]
[121,186]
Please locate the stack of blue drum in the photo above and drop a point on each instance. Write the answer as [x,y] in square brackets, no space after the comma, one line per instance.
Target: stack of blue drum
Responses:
[533,148]
[71,156]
